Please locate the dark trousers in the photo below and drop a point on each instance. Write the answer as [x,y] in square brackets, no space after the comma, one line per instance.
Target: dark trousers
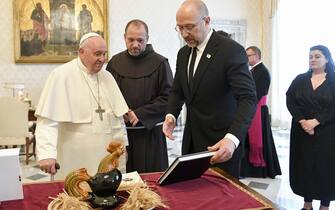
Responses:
[323,202]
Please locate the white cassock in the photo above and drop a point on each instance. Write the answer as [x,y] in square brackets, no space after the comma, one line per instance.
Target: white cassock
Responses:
[68,127]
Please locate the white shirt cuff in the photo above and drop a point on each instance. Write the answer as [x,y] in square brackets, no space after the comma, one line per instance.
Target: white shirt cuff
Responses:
[233,138]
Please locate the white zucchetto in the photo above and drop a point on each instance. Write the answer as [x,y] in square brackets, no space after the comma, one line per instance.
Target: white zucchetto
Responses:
[88,35]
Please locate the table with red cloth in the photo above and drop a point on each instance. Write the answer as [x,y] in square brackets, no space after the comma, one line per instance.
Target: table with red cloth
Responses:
[212,191]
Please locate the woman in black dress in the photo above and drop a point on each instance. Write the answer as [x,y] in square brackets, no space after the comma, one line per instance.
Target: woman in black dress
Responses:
[311,102]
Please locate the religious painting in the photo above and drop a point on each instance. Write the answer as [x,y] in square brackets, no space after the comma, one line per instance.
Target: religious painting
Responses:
[48,31]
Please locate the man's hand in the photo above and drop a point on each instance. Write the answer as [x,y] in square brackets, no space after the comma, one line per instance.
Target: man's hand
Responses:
[132,118]
[126,118]
[48,166]
[224,150]
[168,127]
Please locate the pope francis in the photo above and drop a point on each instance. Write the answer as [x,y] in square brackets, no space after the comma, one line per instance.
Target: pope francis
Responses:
[79,112]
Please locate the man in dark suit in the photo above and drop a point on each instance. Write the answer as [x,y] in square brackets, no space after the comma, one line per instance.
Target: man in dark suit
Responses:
[219,92]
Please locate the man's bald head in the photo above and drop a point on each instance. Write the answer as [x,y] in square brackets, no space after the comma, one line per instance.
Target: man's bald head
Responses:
[193,22]
[194,6]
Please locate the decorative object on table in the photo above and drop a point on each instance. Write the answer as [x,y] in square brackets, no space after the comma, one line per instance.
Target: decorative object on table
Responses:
[64,202]
[111,161]
[76,184]
[130,181]
[141,197]
[100,189]
[104,186]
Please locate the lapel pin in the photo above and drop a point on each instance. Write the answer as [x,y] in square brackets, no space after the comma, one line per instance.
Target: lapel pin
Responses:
[208,56]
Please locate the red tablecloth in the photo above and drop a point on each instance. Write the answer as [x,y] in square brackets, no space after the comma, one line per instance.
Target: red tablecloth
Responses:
[210,192]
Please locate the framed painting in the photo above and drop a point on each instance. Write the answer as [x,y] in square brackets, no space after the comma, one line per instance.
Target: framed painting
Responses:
[48,31]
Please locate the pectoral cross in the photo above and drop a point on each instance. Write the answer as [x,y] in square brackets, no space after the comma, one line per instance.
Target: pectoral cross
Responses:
[100,111]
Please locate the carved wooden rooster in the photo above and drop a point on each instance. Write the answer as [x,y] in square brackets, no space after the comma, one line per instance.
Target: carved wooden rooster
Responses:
[102,186]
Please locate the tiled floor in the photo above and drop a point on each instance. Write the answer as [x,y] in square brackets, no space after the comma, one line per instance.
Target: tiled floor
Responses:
[277,190]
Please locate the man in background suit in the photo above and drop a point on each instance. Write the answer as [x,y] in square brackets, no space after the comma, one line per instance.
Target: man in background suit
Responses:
[260,158]
[219,95]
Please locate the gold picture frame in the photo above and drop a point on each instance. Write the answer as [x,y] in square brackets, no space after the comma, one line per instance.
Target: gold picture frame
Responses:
[48,31]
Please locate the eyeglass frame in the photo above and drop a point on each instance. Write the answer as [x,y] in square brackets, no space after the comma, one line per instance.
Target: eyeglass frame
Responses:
[188,28]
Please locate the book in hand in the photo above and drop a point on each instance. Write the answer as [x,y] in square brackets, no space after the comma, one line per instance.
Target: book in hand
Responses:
[186,167]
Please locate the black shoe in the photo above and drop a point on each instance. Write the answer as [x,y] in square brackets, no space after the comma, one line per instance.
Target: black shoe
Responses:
[306,209]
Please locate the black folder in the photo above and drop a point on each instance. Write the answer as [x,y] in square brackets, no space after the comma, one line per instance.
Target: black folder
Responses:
[186,167]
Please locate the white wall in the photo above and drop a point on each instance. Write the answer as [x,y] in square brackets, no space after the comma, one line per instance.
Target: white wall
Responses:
[160,17]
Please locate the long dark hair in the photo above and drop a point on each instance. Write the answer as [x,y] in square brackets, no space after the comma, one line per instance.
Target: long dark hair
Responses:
[330,67]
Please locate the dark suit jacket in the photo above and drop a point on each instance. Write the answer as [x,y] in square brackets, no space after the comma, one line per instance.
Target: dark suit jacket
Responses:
[223,98]
[262,80]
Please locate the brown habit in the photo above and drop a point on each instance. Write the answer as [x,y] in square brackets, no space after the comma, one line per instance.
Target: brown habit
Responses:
[145,82]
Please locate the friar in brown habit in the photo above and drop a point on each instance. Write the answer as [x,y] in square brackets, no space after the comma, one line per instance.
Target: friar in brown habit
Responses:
[145,80]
